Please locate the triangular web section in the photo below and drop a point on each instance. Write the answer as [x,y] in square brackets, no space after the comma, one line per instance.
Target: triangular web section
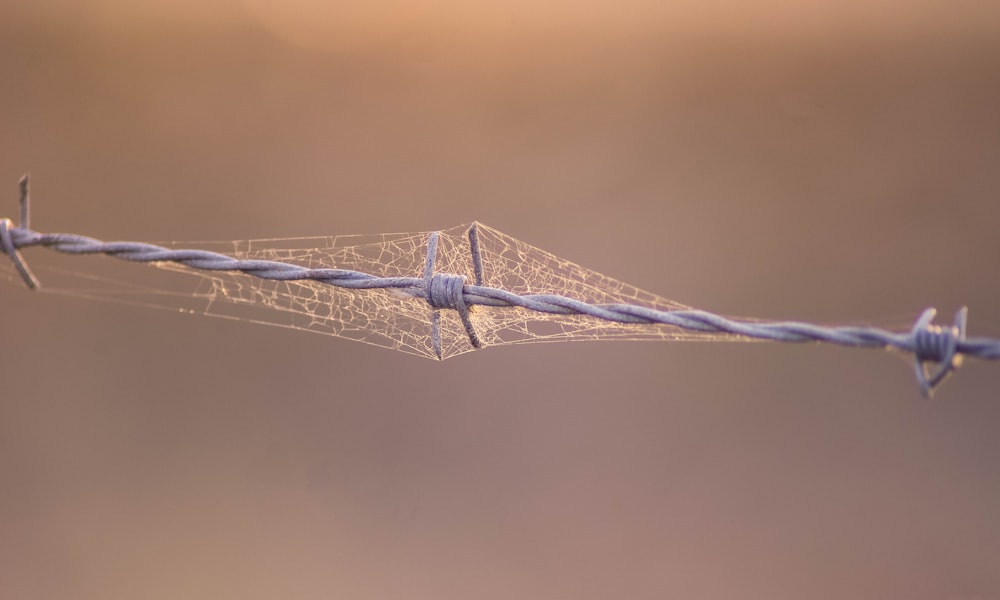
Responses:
[388,318]
[515,266]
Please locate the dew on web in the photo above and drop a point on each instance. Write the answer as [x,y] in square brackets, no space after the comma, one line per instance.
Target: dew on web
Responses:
[437,294]
[392,318]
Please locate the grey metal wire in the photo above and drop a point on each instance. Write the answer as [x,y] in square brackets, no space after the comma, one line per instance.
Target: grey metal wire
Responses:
[929,343]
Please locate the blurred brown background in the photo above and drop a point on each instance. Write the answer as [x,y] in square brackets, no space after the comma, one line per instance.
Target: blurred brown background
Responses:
[825,160]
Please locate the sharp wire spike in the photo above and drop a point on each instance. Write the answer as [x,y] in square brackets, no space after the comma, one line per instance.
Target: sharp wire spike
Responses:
[477,257]
[432,242]
[10,248]
[24,184]
[933,343]
[6,239]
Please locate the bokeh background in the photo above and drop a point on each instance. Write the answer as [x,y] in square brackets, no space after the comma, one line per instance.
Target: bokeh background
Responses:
[829,160]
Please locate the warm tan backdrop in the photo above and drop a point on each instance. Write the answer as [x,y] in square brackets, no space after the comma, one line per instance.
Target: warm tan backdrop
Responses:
[824,160]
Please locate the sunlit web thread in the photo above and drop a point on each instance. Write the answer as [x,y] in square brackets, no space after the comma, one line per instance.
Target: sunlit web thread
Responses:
[937,350]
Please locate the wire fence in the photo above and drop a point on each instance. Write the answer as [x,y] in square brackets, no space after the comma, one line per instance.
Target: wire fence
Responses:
[937,350]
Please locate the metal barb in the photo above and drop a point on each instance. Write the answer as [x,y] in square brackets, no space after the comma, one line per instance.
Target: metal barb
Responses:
[7,240]
[477,256]
[446,290]
[24,185]
[937,344]
[432,242]
[10,249]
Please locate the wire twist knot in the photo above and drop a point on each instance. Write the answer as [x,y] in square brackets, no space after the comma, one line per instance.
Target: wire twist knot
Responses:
[447,291]
[937,344]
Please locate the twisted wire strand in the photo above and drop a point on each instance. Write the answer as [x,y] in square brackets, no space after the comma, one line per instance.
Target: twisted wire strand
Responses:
[943,346]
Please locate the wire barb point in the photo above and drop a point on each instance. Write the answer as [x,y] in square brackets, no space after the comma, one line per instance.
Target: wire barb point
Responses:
[937,344]
[7,240]
[23,185]
[446,290]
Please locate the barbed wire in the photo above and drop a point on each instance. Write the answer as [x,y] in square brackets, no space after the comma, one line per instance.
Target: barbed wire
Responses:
[932,345]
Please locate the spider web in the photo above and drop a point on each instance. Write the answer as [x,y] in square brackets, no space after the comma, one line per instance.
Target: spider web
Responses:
[391,318]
